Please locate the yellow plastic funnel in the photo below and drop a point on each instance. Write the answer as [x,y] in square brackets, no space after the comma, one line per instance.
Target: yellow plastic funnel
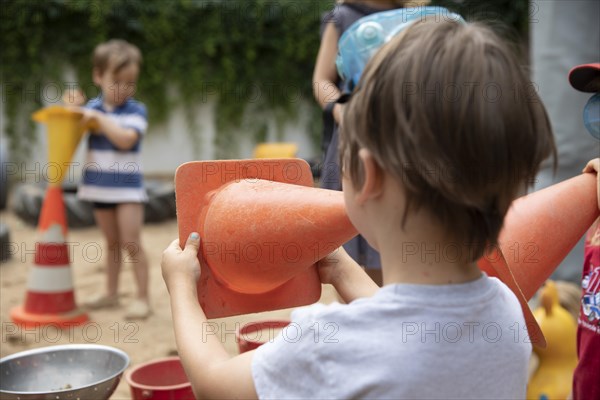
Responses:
[64,133]
[275,150]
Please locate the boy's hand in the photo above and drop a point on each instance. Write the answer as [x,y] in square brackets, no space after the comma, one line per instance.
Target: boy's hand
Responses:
[346,276]
[74,97]
[594,167]
[89,118]
[329,267]
[181,266]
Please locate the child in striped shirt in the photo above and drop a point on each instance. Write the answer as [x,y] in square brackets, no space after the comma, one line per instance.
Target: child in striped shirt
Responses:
[112,176]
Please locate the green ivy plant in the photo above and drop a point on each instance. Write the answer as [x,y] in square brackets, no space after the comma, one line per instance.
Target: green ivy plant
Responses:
[236,53]
[250,57]
[510,18]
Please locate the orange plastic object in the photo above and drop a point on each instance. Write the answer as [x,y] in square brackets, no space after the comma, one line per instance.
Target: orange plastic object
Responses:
[160,379]
[539,231]
[263,226]
[64,133]
[50,297]
[53,211]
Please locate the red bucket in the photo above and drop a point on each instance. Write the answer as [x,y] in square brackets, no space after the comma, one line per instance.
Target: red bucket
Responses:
[254,334]
[162,379]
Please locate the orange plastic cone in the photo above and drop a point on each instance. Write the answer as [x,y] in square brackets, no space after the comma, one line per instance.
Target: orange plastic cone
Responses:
[263,228]
[259,234]
[50,299]
[539,231]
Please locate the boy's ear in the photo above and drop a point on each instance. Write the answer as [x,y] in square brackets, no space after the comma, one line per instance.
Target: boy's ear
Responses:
[373,177]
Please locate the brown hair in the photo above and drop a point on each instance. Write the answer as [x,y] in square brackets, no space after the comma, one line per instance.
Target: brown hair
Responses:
[115,54]
[446,109]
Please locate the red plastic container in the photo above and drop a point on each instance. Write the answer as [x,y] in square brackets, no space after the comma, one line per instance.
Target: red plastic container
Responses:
[161,379]
[252,335]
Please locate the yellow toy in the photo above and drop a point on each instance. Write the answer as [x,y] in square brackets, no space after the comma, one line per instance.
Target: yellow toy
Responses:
[275,150]
[64,133]
[554,375]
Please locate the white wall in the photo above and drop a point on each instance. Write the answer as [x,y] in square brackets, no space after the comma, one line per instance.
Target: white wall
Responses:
[168,145]
[565,33]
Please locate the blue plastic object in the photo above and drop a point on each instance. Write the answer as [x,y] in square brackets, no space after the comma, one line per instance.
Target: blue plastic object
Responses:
[591,116]
[364,37]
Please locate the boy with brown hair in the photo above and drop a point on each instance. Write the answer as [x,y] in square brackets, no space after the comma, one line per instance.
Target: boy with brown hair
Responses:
[430,161]
[113,173]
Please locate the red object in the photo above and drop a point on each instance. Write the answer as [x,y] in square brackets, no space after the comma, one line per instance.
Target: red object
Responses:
[252,335]
[539,231]
[263,227]
[586,78]
[161,379]
[50,297]
[586,379]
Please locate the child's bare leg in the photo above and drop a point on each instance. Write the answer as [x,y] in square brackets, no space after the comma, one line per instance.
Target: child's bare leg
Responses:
[130,220]
[106,219]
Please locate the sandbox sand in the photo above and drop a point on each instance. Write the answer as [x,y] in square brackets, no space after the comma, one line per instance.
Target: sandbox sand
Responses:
[142,340]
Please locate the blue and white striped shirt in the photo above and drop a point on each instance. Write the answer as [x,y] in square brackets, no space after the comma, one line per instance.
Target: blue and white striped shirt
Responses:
[111,175]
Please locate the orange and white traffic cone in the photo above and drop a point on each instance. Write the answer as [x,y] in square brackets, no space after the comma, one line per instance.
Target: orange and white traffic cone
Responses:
[50,299]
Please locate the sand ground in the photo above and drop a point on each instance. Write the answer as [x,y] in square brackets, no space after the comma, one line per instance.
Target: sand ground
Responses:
[142,340]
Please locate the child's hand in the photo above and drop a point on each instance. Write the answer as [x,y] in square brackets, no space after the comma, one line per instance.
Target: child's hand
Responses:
[329,267]
[594,167]
[74,98]
[89,118]
[346,276]
[181,266]
[92,118]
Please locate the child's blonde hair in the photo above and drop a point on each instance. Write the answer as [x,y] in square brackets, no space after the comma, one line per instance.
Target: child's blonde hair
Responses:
[115,55]
[446,109]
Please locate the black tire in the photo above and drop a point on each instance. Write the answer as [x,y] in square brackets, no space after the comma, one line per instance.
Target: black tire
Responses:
[3,177]
[161,201]
[4,243]
[3,188]
[80,214]
[27,203]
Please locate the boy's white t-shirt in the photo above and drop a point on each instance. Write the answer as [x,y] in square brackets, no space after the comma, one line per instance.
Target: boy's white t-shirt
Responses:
[406,342]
